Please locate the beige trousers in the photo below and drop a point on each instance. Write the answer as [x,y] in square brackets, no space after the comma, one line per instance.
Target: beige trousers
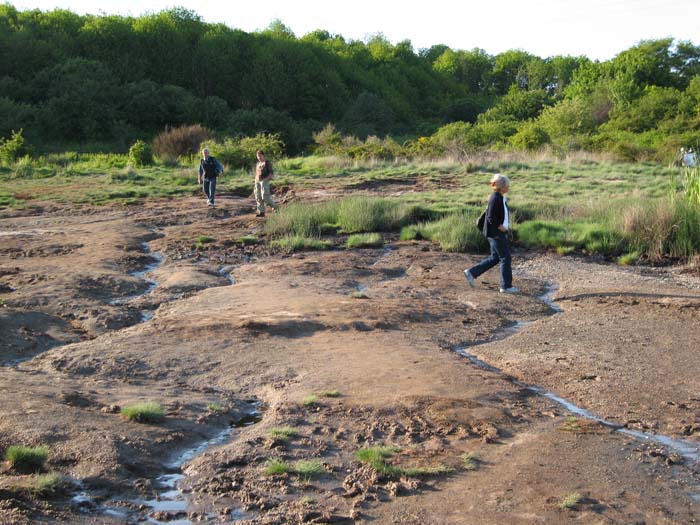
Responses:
[263,195]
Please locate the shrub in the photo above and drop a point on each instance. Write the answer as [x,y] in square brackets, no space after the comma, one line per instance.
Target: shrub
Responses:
[144,412]
[328,141]
[27,459]
[240,152]
[529,137]
[140,154]
[13,148]
[180,141]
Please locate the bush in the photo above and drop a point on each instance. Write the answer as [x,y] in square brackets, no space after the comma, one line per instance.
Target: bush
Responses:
[13,148]
[240,152]
[529,137]
[140,154]
[180,141]
[27,459]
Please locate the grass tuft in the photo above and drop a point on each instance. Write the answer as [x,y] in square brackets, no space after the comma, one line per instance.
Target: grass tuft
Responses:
[310,400]
[364,240]
[48,485]
[470,461]
[144,412]
[305,469]
[570,501]
[377,457]
[27,459]
[283,433]
[295,244]
[330,393]
[215,407]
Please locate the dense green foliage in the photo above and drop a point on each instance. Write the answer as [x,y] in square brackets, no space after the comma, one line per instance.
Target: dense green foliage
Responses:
[110,79]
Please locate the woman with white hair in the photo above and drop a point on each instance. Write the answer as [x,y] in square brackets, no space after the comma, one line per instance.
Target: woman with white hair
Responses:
[496,226]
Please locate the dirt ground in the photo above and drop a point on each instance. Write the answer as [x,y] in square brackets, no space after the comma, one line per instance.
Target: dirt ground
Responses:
[101,308]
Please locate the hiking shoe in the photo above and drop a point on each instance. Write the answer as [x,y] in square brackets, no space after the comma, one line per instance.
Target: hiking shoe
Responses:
[259,214]
[210,203]
[470,278]
[512,289]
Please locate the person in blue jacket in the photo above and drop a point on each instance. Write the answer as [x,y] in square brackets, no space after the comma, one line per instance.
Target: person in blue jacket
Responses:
[209,169]
[496,228]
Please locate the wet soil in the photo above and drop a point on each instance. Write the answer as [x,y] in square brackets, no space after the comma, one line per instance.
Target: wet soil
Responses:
[228,323]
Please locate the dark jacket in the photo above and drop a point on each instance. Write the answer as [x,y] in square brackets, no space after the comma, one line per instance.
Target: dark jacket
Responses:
[210,168]
[495,215]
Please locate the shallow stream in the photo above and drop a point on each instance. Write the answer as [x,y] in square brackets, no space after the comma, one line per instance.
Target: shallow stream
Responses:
[690,451]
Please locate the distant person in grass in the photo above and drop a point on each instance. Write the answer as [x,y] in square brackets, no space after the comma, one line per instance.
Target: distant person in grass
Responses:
[209,169]
[689,158]
[263,176]
[496,228]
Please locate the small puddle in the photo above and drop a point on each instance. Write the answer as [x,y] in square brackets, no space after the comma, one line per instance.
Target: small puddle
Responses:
[688,450]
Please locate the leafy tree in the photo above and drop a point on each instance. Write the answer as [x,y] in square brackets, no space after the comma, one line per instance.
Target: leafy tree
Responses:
[77,99]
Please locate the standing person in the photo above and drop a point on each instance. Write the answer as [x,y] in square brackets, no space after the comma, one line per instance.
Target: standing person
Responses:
[209,169]
[263,176]
[496,228]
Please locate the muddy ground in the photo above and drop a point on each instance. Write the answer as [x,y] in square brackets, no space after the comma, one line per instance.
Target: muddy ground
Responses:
[104,307]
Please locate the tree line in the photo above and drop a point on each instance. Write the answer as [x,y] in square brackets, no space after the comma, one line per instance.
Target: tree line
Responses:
[69,78]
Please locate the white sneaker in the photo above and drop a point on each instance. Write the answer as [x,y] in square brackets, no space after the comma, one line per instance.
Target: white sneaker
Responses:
[470,278]
[512,289]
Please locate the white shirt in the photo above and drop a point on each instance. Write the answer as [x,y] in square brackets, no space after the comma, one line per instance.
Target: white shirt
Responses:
[506,220]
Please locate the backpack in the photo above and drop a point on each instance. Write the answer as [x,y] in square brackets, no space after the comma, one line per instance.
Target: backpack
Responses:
[481,221]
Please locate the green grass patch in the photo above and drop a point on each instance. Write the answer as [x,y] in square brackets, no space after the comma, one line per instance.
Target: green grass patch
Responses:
[330,393]
[296,244]
[248,240]
[310,400]
[215,407]
[305,469]
[377,458]
[302,220]
[283,433]
[357,294]
[365,240]
[27,459]
[629,258]
[470,461]
[144,412]
[584,236]
[454,233]
[48,485]
[204,239]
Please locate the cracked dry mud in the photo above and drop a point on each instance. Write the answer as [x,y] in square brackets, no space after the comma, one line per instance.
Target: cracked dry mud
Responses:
[624,347]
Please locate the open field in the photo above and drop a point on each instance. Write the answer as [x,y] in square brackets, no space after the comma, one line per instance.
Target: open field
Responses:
[178,366]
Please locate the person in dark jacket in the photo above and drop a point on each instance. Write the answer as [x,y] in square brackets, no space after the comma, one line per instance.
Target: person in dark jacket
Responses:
[496,228]
[209,169]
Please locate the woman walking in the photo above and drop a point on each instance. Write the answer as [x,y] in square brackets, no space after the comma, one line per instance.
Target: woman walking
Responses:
[496,228]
